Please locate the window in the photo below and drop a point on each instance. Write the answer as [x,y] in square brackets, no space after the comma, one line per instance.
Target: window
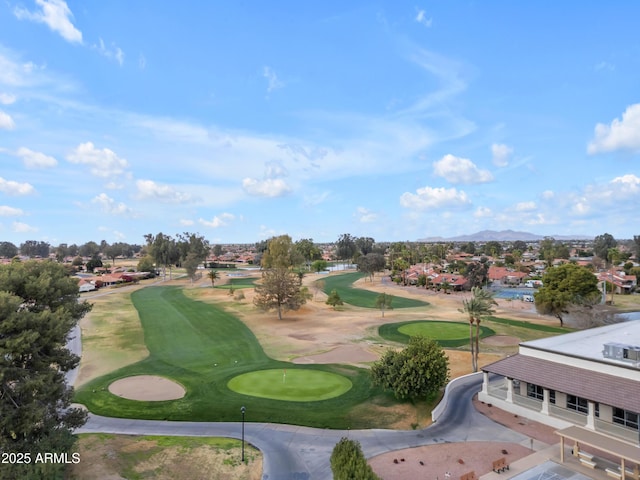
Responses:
[552,396]
[578,404]
[535,391]
[625,417]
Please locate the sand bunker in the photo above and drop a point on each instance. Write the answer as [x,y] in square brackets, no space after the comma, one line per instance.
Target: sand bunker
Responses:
[149,388]
[501,340]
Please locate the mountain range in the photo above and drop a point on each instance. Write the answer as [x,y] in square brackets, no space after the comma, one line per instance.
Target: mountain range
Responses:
[502,236]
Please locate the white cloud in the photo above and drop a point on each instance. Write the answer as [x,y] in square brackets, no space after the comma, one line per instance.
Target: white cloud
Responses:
[311,200]
[19,227]
[33,159]
[501,154]
[525,206]
[365,216]
[273,82]
[460,170]
[604,66]
[7,99]
[165,193]
[421,18]
[6,211]
[142,62]
[110,206]
[218,221]
[548,194]
[56,15]
[104,163]
[15,188]
[186,223]
[269,187]
[6,122]
[619,135]
[113,53]
[432,198]
[483,212]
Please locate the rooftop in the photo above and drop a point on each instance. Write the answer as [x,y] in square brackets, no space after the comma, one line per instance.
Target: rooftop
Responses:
[589,343]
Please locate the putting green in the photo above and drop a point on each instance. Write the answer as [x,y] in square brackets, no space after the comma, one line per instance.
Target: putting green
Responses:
[293,385]
[437,330]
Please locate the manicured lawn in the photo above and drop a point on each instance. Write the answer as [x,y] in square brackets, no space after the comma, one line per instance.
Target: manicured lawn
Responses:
[529,325]
[299,385]
[203,347]
[447,334]
[238,282]
[363,298]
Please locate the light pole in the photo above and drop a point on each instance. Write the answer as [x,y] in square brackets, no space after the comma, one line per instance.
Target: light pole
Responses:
[243,410]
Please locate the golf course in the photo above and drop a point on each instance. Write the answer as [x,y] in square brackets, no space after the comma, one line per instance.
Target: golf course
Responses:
[218,360]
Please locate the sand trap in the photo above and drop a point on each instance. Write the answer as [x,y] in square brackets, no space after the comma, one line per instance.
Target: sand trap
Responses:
[501,340]
[147,388]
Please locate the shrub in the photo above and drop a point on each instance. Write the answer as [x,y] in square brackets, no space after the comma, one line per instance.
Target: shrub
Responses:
[348,462]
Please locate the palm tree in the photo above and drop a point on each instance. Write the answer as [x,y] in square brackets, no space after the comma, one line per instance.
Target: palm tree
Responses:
[213,275]
[477,307]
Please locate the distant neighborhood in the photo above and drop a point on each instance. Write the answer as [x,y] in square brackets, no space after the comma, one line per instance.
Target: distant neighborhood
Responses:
[442,266]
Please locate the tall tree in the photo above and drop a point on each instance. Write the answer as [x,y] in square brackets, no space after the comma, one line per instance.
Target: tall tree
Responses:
[479,306]
[164,251]
[308,251]
[564,286]
[281,253]
[34,248]
[89,249]
[364,244]
[477,273]
[38,308]
[280,290]
[417,372]
[8,250]
[345,247]
[602,244]
[371,263]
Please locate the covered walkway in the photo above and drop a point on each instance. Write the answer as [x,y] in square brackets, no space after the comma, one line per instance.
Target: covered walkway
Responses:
[613,447]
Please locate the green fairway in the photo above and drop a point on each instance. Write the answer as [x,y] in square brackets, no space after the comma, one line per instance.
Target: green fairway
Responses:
[202,347]
[299,385]
[363,298]
[238,282]
[447,334]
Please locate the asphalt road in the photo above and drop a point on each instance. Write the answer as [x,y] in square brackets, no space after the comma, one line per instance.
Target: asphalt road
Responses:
[302,453]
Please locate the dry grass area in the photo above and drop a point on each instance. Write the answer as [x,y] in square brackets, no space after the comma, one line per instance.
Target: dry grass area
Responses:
[116,457]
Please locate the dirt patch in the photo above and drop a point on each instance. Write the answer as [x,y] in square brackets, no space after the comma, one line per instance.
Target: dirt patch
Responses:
[501,340]
[350,354]
[445,460]
[115,457]
[147,388]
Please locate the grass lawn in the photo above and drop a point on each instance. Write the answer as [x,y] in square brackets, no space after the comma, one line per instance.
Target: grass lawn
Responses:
[203,347]
[529,325]
[363,298]
[296,385]
[447,334]
[238,282]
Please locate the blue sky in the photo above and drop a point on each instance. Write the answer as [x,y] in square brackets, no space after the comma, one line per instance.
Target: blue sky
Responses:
[243,120]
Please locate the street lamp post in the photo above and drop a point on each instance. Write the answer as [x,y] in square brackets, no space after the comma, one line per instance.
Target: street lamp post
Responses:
[243,410]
